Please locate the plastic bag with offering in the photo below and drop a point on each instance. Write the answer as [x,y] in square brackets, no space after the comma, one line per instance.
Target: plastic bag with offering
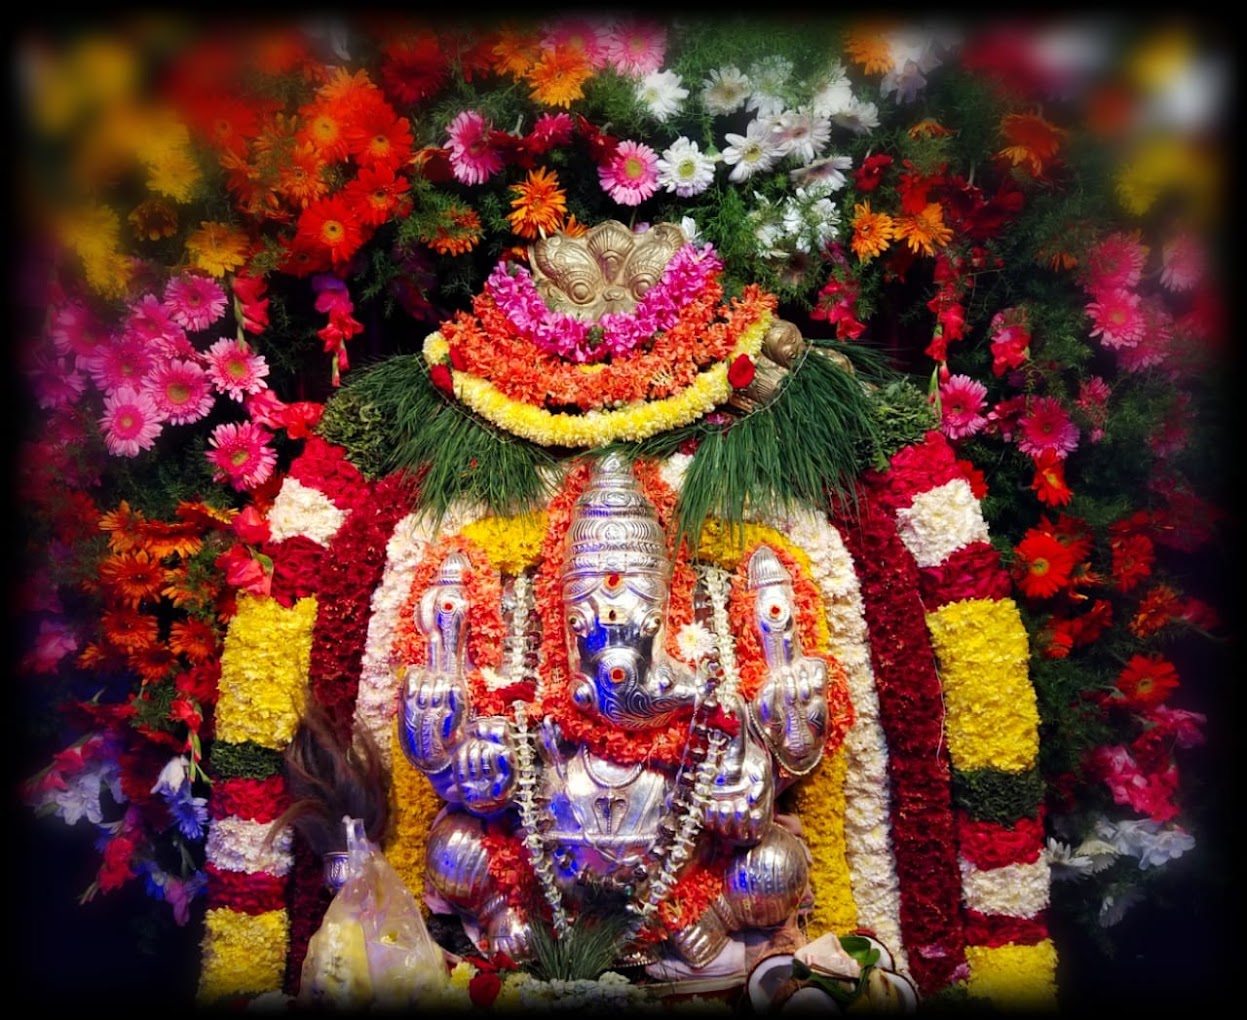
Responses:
[372,949]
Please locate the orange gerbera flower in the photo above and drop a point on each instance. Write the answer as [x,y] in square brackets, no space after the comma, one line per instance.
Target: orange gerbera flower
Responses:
[378,193]
[98,658]
[925,231]
[929,127]
[1042,565]
[204,515]
[872,232]
[172,538]
[299,178]
[1157,610]
[1032,141]
[153,664]
[185,591]
[869,48]
[558,76]
[154,219]
[539,204]
[351,89]
[132,577]
[380,138]
[515,52]
[128,629]
[196,639]
[458,231]
[1147,680]
[323,127]
[124,527]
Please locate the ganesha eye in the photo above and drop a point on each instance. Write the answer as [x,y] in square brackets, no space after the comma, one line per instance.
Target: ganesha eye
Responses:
[576,623]
[650,625]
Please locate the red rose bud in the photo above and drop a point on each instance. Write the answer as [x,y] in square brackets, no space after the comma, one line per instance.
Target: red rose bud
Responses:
[458,360]
[250,526]
[442,379]
[484,988]
[741,372]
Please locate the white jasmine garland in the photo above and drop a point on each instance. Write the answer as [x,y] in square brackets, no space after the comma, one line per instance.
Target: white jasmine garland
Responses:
[1015,890]
[868,830]
[940,521]
[238,844]
[301,510]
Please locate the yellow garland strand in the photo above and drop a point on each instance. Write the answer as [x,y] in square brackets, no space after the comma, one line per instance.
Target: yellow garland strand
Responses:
[819,802]
[597,428]
[264,667]
[242,953]
[415,805]
[982,649]
[1014,977]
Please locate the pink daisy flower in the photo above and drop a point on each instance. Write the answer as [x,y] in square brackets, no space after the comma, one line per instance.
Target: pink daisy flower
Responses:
[235,368]
[474,159]
[75,331]
[1116,319]
[1045,425]
[150,320]
[179,346]
[630,176]
[130,422]
[584,35]
[181,391]
[636,47]
[1154,346]
[1183,263]
[194,301]
[962,400]
[123,360]
[1116,263]
[54,381]
[240,454]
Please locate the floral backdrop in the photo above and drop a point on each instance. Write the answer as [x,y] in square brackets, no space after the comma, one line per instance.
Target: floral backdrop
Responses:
[223,221]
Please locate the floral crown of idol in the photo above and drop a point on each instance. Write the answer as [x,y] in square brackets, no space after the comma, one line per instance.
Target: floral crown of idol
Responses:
[612,335]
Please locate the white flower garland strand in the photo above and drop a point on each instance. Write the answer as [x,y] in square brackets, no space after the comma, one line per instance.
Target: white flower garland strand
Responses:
[238,844]
[300,510]
[867,815]
[940,521]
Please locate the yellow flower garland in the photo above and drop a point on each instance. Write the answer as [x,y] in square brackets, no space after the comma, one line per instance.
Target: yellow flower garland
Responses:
[511,543]
[1013,976]
[415,804]
[264,664]
[982,648]
[243,953]
[597,428]
[819,802]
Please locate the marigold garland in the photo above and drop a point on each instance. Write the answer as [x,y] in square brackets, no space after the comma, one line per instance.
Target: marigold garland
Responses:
[819,801]
[1014,977]
[415,804]
[511,543]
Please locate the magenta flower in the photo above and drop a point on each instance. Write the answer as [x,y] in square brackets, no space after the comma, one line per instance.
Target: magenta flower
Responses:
[1116,263]
[75,331]
[124,360]
[474,159]
[235,368]
[635,46]
[1045,425]
[630,175]
[150,320]
[1116,318]
[130,422]
[55,383]
[962,400]
[194,301]
[240,454]
[181,391]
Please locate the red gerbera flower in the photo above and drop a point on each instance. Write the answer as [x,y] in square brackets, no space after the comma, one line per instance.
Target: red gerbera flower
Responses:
[1147,680]
[1133,556]
[1049,481]
[331,226]
[1042,566]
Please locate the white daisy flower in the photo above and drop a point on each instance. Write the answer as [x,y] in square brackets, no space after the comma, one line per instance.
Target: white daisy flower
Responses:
[662,93]
[751,152]
[801,133]
[724,91]
[826,174]
[684,169]
[859,116]
[769,77]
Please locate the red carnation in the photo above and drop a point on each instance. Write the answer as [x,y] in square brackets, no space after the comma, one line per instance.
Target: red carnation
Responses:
[741,372]
[442,379]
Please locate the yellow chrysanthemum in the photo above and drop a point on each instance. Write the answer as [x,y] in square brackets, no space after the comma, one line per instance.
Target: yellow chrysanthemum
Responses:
[983,652]
[109,273]
[818,801]
[925,231]
[90,230]
[174,173]
[1014,977]
[243,954]
[415,806]
[511,543]
[264,664]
